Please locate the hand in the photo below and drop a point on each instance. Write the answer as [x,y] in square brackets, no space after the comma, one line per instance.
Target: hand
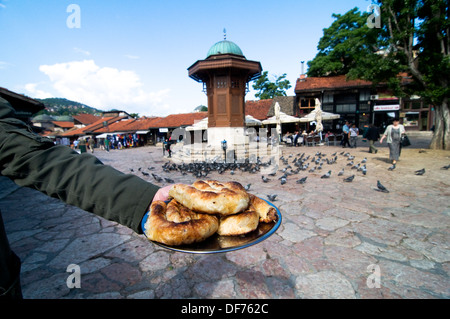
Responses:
[162,193]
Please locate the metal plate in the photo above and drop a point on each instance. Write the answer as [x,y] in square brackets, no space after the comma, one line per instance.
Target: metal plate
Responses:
[222,244]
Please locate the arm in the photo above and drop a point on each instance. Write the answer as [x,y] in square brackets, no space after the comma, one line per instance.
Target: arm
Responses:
[386,132]
[80,180]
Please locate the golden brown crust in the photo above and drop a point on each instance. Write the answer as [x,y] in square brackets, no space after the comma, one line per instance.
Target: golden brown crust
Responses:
[266,212]
[238,224]
[173,224]
[212,197]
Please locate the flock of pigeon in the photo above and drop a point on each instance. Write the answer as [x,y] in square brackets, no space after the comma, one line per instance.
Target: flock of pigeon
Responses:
[293,166]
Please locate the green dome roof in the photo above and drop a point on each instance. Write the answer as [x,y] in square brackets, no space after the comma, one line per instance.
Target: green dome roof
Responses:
[225,47]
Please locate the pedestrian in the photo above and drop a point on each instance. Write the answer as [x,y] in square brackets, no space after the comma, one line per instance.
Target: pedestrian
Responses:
[345,132]
[168,142]
[393,135]
[296,136]
[91,145]
[82,145]
[34,161]
[107,144]
[372,135]
[353,135]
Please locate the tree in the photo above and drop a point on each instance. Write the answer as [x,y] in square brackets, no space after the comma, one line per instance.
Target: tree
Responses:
[343,44]
[267,89]
[413,39]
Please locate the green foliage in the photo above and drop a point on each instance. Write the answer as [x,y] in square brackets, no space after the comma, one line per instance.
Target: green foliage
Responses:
[343,44]
[409,53]
[268,89]
[60,106]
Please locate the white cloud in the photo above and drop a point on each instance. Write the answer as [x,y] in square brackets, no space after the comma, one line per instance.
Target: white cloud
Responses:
[36,93]
[103,87]
[84,52]
[4,65]
[132,57]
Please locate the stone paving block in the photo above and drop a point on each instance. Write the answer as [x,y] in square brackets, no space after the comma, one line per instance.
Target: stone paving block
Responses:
[331,233]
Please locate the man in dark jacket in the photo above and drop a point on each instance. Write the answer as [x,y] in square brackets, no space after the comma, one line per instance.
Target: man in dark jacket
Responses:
[373,134]
[80,180]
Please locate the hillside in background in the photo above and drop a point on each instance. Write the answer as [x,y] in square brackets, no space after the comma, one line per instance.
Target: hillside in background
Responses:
[60,106]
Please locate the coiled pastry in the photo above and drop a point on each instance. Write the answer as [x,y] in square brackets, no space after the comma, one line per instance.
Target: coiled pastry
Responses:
[173,224]
[212,197]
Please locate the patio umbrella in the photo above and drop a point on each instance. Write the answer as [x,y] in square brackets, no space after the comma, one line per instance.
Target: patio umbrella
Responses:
[203,123]
[326,116]
[200,125]
[284,118]
[251,121]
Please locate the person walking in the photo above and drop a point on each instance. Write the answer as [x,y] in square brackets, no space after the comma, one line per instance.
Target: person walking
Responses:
[353,135]
[372,135]
[91,144]
[393,135]
[345,132]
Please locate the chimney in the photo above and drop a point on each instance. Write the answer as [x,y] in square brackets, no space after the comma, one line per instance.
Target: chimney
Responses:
[302,74]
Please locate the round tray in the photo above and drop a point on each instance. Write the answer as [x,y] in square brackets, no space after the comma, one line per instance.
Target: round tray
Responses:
[222,244]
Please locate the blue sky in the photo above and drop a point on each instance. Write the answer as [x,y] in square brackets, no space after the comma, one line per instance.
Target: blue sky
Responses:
[134,55]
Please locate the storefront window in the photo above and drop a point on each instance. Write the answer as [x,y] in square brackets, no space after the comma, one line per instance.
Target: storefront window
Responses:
[411,119]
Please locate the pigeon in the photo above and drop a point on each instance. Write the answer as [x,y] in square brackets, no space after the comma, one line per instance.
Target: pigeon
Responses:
[364,170]
[232,172]
[247,188]
[420,171]
[265,179]
[381,188]
[156,177]
[145,174]
[391,168]
[302,180]
[349,179]
[327,175]
[283,181]
[364,160]
[168,180]
[272,198]
[341,172]
[131,170]
[446,167]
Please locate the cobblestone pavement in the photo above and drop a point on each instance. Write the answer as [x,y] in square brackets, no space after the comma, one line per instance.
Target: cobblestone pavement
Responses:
[337,239]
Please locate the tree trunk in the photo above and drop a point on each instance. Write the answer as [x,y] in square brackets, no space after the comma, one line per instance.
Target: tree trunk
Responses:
[441,137]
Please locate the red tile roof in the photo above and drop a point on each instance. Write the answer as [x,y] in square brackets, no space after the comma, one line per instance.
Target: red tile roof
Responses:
[63,124]
[86,119]
[92,127]
[177,120]
[258,109]
[330,82]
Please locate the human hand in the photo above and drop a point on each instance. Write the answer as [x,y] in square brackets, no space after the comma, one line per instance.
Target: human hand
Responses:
[162,193]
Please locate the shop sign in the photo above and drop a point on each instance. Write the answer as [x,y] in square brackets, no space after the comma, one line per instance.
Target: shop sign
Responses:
[393,107]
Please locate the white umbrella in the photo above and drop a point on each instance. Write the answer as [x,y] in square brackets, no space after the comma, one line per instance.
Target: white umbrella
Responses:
[251,121]
[200,125]
[203,123]
[326,116]
[284,118]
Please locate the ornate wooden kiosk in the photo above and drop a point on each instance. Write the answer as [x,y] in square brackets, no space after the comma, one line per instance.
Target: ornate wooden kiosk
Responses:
[225,74]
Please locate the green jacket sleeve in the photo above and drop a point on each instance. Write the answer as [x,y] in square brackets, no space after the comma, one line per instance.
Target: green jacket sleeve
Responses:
[80,180]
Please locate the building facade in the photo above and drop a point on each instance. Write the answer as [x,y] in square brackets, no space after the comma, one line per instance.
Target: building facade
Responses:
[359,102]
